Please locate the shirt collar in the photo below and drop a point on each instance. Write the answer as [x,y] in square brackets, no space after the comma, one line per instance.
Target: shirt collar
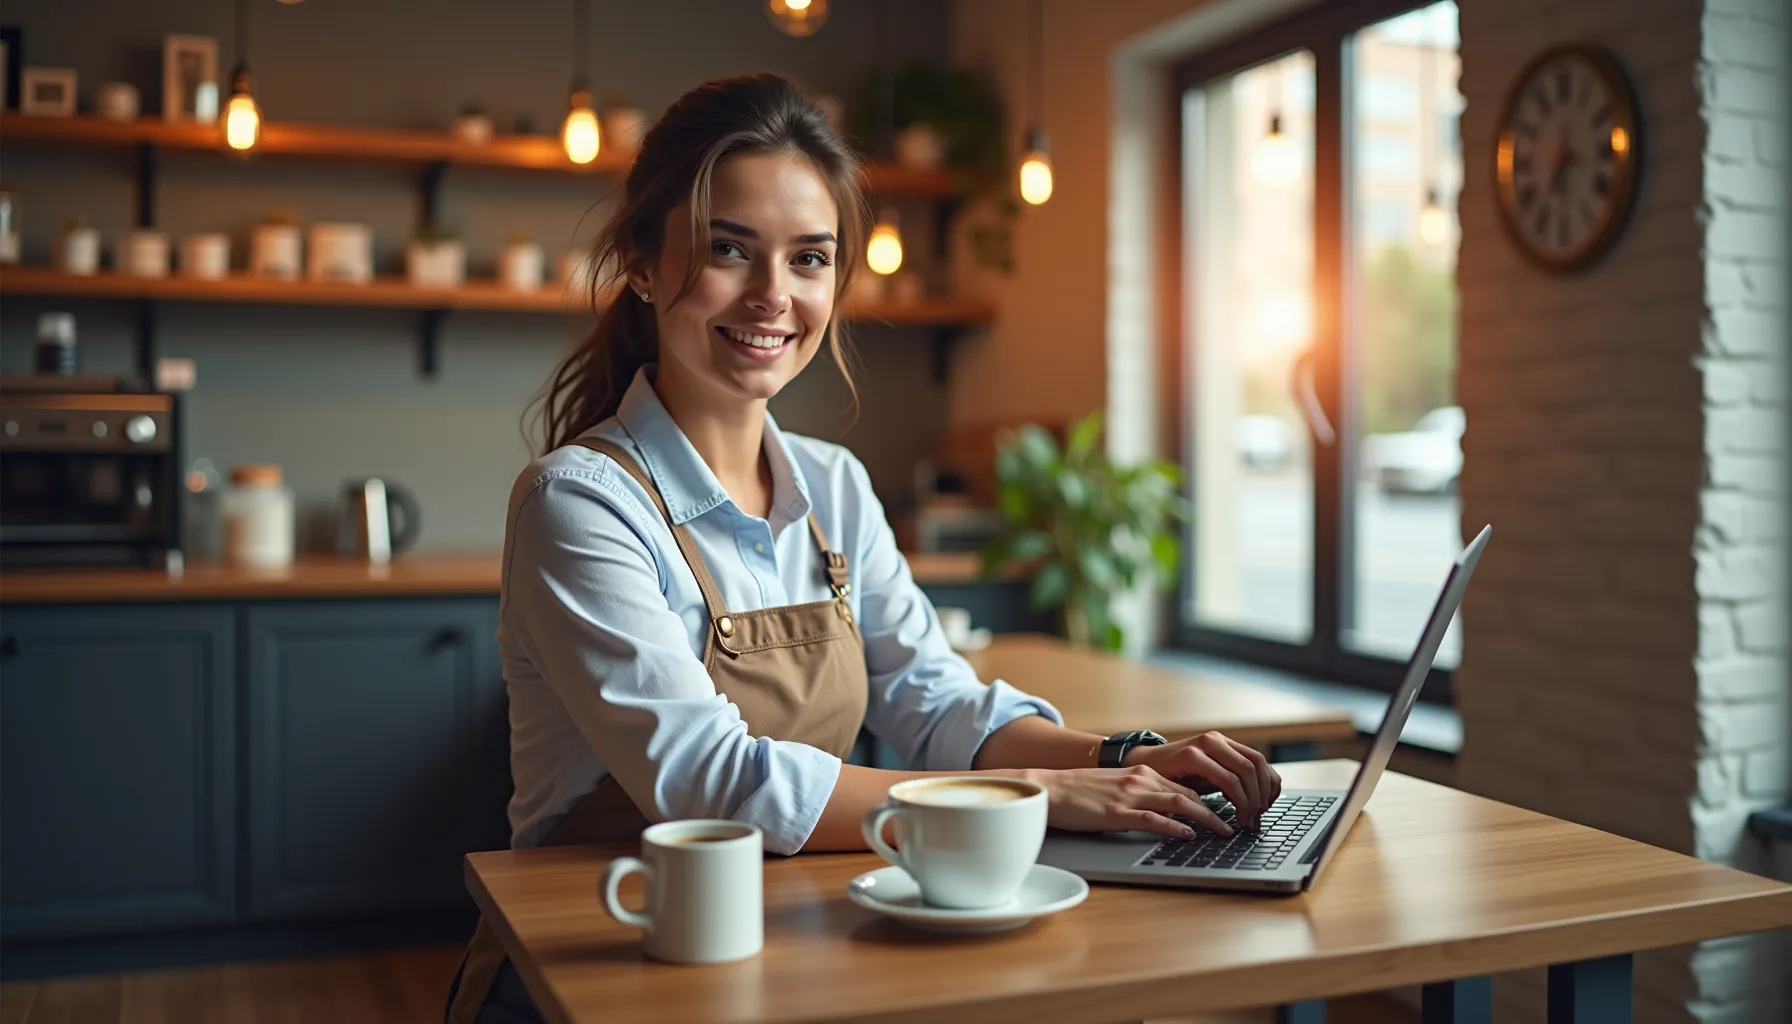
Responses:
[683,478]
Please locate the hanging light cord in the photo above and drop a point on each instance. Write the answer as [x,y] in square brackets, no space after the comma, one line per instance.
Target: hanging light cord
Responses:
[886,87]
[242,35]
[1038,59]
[581,31]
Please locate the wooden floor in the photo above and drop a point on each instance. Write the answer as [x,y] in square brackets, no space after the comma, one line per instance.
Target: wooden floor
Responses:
[386,988]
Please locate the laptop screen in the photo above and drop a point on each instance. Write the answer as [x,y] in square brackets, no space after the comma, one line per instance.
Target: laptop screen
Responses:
[1387,736]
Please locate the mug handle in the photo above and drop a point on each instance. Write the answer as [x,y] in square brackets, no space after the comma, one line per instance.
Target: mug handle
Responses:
[873,829]
[619,869]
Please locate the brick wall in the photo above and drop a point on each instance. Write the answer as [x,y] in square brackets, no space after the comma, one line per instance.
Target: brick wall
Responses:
[1624,643]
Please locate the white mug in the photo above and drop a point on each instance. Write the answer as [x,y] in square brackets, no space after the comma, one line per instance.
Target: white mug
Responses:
[705,891]
[968,841]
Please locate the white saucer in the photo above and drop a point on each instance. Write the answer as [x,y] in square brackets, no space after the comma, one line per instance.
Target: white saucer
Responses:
[891,892]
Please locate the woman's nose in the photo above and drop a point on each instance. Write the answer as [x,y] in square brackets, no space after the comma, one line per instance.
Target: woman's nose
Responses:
[769,290]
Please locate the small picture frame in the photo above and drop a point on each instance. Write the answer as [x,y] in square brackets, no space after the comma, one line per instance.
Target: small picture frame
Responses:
[188,64]
[47,92]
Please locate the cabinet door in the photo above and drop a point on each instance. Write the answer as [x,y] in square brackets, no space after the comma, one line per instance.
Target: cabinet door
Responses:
[117,785]
[370,734]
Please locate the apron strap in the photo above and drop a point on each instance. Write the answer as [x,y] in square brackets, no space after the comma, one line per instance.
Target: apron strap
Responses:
[833,562]
[687,544]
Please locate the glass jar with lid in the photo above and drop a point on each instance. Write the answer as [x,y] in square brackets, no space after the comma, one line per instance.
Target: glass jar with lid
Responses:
[257,513]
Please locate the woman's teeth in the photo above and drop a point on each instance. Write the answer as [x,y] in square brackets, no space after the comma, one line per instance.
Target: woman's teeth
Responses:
[755,340]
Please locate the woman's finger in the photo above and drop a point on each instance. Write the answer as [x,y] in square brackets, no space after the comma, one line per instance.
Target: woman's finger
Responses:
[1220,749]
[1207,768]
[1269,780]
[1169,802]
[1150,821]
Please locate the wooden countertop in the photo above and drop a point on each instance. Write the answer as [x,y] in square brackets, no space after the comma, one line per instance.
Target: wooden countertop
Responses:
[473,572]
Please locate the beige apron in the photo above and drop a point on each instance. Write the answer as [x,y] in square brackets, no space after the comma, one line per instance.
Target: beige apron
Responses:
[796,673]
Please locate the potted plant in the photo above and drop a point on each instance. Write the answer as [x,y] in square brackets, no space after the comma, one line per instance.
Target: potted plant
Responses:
[435,258]
[1089,529]
[960,113]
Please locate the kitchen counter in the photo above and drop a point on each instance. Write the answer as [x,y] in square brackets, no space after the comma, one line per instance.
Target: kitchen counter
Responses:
[326,576]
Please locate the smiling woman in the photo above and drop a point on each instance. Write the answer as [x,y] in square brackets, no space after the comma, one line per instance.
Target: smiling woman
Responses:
[700,614]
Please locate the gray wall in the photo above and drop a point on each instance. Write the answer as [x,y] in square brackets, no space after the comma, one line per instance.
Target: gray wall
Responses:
[335,393]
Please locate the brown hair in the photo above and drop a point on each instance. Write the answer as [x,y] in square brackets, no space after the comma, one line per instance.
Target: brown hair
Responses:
[763,112]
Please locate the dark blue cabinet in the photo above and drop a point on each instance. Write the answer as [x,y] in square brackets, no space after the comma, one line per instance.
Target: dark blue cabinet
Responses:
[376,754]
[117,769]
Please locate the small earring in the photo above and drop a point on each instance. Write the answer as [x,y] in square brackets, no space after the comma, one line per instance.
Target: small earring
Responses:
[644,297]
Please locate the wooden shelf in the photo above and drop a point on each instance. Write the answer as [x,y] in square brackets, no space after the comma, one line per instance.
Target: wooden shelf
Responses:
[524,152]
[396,293]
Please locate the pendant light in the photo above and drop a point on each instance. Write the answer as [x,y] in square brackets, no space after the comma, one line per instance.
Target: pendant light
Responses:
[883,250]
[797,18]
[579,133]
[242,118]
[1036,164]
[1434,223]
[1276,161]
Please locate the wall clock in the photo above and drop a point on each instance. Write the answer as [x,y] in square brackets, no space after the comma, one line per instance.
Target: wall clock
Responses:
[1565,160]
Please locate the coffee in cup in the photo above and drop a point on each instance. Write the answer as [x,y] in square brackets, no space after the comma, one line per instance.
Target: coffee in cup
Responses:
[968,841]
[705,891]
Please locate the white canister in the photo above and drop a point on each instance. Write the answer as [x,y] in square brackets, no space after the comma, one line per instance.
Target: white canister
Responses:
[340,252]
[274,251]
[257,514]
[520,265]
[576,272]
[205,102]
[205,256]
[624,128]
[78,251]
[473,128]
[117,101]
[143,254]
[436,264]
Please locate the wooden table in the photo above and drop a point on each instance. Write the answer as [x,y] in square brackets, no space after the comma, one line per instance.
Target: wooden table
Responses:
[1431,885]
[1103,693]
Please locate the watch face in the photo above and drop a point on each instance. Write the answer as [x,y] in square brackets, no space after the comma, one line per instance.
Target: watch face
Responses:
[1566,157]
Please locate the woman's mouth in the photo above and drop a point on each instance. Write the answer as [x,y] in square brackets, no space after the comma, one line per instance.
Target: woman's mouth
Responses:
[755,345]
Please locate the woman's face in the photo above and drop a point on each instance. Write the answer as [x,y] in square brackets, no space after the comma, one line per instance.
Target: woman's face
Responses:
[759,307]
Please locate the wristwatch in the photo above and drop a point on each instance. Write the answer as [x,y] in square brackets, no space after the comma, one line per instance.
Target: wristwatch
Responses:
[1115,747]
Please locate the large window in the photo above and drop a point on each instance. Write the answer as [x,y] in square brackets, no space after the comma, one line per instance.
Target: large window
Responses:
[1320,170]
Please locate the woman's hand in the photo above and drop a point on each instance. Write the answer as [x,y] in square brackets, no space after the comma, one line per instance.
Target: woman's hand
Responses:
[1117,799]
[1213,761]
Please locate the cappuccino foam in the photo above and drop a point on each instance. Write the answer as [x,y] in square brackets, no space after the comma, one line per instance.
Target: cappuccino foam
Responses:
[961,793]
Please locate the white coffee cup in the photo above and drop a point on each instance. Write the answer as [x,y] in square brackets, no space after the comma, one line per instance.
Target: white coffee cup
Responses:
[705,891]
[968,841]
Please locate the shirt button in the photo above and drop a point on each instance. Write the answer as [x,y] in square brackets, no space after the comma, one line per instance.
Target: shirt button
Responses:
[759,547]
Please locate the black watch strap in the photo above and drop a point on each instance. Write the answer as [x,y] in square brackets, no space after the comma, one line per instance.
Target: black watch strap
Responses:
[1114,748]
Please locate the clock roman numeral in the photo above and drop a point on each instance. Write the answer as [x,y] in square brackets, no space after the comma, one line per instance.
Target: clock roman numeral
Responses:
[1586,93]
[1540,225]
[1601,184]
[1603,114]
[1564,84]
[1543,103]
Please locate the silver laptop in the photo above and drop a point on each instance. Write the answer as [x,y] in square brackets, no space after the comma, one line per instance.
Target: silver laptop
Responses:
[1297,835]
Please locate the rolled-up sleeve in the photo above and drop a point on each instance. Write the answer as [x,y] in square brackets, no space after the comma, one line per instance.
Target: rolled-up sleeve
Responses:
[926,701]
[584,600]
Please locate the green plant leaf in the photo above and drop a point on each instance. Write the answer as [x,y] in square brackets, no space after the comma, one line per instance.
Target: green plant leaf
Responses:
[1076,491]
[1166,551]
[1083,437]
[1113,637]
[1016,505]
[995,555]
[1037,448]
[1030,545]
[1098,567]
[1049,587]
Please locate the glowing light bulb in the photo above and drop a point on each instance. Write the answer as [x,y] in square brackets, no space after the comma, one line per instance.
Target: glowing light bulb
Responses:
[579,134]
[1434,223]
[883,253]
[1276,160]
[242,118]
[797,18]
[1036,170]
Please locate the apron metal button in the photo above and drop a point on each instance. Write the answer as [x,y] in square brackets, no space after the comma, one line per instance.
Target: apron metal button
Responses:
[725,626]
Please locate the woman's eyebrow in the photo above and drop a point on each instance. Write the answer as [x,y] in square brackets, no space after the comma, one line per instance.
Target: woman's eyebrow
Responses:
[735,227]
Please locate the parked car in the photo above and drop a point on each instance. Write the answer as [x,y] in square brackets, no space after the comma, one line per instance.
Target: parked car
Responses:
[1265,443]
[1424,460]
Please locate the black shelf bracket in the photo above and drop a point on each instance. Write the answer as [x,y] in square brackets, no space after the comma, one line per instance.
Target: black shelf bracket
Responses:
[943,212]
[146,185]
[429,194]
[429,340]
[942,353]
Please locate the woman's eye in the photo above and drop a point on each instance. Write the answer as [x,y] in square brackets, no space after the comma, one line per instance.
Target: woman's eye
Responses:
[813,259]
[725,249]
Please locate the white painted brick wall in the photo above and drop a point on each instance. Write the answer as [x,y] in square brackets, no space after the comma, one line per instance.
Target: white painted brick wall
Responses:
[1624,657]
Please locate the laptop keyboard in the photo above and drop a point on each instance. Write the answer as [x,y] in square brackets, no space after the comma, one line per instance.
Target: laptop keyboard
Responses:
[1284,825]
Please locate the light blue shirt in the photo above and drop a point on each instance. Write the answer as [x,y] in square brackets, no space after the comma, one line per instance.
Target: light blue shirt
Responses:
[602,628]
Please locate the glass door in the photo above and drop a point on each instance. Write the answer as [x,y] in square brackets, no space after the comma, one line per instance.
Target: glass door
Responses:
[1320,166]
